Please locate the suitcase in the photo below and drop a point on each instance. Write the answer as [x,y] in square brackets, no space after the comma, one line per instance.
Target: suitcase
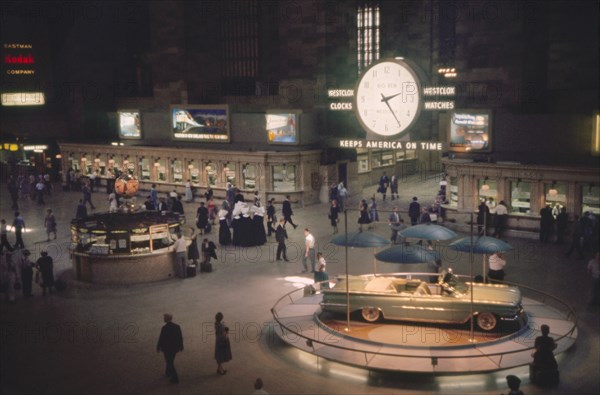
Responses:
[207,228]
[206,267]
[191,271]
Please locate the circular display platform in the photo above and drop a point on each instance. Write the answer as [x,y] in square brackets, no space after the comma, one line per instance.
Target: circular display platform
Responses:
[427,348]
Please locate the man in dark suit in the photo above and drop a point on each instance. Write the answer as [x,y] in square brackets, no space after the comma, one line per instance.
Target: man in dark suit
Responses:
[414,210]
[287,212]
[281,236]
[170,343]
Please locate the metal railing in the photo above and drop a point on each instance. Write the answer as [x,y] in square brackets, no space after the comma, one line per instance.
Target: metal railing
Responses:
[568,312]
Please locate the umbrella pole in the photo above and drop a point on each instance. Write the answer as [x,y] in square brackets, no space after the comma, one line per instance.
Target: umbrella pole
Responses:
[347,281]
[471,331]
[484,272]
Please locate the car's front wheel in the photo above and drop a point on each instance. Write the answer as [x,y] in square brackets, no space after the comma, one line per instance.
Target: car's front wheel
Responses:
[487,321]
[371,314]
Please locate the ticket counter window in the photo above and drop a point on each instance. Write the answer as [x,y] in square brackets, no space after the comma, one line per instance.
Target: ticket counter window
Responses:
[102,166]
[453,191]
[363,163]
[86,166]
[250,174]
[130,168]
[194,173]
[284,178]
[160,170]
[145,169]
[520,197]
[177,171]
[411,154]
[211,174]
[590,196]
[74,164]
[229,172]
[487,190]
[555,194]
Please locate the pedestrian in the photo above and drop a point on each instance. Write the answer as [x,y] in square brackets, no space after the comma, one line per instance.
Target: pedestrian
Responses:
[271,218]
[87,195]
[514,383]
[577,237]
[4,236]
[201,218]
[543,357]
[208,251]
[258,388]
[497,262]
[500,215]
[309,251]
[256,199]
[154,195]
[321,275]
[193,254]
[281,236]
[170,342]
[222,345]
[19,227]
[342,195]
[177,206]
[39,190]
[224,232]
[208,195]
[189,196]
[50,224]
[162,205]
[12,280]
[546,221]
[26,273]
[425,217]
[212,210]
[92,181]
[45,265]
[414,210]
[384,182]
[180,249]
[287,212]
[562,220]
[483,216]
[81,210]
[373,213]
[394,187]
[364,217]
[333,215]
[593,268]
[394,223]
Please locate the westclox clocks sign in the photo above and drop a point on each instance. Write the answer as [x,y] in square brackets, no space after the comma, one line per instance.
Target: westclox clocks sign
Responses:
[388,98]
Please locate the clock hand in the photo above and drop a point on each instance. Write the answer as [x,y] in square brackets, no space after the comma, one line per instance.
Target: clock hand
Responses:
[384,99]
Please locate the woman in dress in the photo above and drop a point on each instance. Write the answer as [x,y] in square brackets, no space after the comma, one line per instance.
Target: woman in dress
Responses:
[212,212]
[333,215]
[201,218]
[50,224]
[364,214]
[222,345]
[224,232]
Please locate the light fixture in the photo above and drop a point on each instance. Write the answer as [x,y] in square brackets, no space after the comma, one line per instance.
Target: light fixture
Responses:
[114,143]
[58,156]
[191,166]
[156,164]
[485,187]
[125,162]
[84,159]
[552,191]
[97,160]
[111,161]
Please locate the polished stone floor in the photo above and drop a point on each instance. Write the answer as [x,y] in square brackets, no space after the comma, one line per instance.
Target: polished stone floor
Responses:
[101,340]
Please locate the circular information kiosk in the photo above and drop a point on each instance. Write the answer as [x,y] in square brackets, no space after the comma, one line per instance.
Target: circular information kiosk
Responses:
[124,248]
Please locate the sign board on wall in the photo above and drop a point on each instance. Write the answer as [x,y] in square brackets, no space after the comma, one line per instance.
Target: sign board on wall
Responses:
[208,123]
[470,131]
[130,125]
[283,127]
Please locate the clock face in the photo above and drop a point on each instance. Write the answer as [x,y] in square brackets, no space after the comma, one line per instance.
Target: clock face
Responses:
[387,98]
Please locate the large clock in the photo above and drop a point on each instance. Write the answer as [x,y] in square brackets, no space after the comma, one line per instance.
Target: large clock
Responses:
[387,98]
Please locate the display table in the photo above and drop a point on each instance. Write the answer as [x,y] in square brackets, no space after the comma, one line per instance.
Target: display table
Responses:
[124,248]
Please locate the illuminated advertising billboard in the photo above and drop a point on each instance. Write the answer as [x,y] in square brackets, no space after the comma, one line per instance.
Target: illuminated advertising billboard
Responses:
[200,123]
[470,131]
[130,126]
[282,127]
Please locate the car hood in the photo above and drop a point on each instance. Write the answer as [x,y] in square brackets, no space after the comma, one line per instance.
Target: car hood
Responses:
[495,293]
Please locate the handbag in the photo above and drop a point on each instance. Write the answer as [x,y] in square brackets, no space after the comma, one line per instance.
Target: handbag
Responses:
[433,217]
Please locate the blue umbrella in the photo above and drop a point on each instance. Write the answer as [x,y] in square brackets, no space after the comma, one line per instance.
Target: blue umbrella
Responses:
[428,232]
[360,240]
[407,254]
[481,245]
